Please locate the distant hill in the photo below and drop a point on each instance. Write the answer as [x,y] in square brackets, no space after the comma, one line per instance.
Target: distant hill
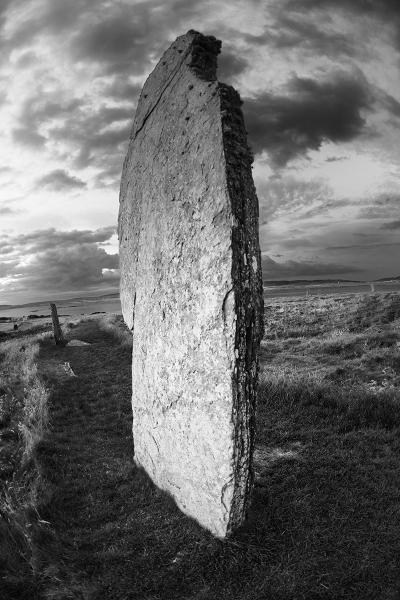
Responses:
[389,278]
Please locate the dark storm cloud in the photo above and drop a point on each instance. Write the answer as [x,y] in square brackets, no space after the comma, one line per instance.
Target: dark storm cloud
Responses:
[59,179]
[293,269]
[392,225]
[45,239]
[97,139]
[116,36]
[290,31]
[230,64]
[61,260]
[387,11]
[38,110]
[52,17]
[289,27]
[288,126]
[117,43]
[126,37]
[122,90]
[386,8]
[87,136]
[102,149]
[76,267]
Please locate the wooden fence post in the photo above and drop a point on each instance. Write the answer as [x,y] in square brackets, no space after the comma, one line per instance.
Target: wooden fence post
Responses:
[58,336]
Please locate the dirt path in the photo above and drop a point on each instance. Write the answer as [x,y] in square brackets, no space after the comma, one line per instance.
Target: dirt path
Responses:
[99,509]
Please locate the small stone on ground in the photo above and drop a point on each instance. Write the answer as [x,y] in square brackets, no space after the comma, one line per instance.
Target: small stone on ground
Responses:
[78,343]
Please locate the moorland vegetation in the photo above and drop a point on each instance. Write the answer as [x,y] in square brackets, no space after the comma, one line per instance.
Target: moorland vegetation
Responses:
[78,519]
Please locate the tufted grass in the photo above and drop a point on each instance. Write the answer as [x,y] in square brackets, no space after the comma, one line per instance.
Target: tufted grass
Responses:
[23,422]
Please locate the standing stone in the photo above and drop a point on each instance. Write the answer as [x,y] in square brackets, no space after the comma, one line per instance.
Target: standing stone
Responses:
[58,335]
[191,287]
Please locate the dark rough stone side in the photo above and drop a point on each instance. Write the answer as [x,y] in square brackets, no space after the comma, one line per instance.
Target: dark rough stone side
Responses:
[248,288]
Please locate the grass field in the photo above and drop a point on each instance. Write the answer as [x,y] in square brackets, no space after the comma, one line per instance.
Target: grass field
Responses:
[325,517]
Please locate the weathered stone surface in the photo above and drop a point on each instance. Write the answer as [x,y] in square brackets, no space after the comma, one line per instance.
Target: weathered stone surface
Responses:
[191,285]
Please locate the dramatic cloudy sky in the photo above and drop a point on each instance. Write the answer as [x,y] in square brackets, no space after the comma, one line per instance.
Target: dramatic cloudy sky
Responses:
[321,84]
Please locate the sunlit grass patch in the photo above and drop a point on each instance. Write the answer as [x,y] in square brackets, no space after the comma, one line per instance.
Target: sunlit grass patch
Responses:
[114,324]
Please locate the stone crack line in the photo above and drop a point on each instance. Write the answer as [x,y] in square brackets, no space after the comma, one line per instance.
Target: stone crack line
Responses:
[170,79]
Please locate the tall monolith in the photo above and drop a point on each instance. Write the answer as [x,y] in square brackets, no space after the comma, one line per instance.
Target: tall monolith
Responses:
[191,288]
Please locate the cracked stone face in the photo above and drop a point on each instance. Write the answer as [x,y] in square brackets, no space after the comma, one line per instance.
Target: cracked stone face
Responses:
[191,286]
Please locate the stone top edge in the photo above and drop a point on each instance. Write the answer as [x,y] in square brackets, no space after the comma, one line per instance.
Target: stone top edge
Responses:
[194,51]
[204,52]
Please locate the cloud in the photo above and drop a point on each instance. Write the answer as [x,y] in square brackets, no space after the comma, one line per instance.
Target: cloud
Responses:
[99,138]
[27,60]
[6,210]
[80,133]
[51,17]
[363,246]
[60,180]
[230,64]
[388,11]
[386,7]
[113,37]
[294,269]
[77,267]
[38,110]
[121,41]
[28,137]
[7,267]
[391,104]
[44,239]
[312,111]
[122,90]
[391,225]
[279,196]
[5,248]
[385,206]
[294,31]
[52,261]
[4,6]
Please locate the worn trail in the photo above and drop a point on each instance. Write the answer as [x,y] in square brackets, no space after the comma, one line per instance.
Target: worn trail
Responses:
[99,509]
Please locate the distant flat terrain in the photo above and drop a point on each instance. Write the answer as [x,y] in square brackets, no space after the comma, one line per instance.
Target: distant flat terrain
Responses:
[70,308]
[320,289]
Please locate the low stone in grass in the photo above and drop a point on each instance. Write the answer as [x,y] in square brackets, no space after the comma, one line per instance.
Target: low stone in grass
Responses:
[77,343]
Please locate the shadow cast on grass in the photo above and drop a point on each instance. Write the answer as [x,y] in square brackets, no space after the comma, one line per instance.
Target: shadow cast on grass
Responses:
[317,527]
